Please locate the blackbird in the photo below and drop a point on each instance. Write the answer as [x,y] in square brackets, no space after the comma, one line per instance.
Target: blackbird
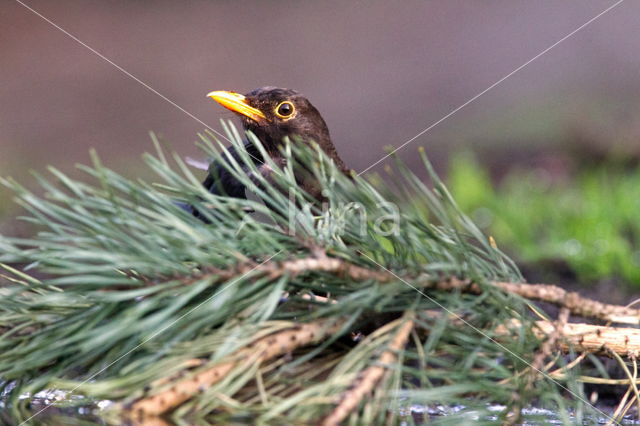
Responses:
[271,113]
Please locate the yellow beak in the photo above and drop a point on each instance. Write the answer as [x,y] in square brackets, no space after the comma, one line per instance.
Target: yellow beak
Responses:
[236,103]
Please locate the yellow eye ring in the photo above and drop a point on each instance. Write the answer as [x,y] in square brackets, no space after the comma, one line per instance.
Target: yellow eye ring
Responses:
[285,109]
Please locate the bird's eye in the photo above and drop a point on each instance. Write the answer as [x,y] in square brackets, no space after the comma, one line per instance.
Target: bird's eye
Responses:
[285,109]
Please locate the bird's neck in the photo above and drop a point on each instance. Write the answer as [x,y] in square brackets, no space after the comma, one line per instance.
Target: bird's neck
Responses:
[273,142]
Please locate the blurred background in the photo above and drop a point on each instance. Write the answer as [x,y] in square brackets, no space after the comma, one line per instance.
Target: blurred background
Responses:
[545,161]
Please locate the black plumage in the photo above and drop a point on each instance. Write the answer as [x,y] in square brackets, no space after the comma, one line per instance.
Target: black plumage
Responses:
[271,113]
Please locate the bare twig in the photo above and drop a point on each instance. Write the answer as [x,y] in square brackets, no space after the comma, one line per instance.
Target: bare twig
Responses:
[321,262]
[586,337]
[275,269]
[580,337]
[576,304]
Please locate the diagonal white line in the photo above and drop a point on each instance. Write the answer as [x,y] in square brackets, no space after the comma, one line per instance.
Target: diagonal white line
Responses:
[190,115]
[493,85]
[124,71]
[476,329]
[377,162]
[207,300]
[127,73]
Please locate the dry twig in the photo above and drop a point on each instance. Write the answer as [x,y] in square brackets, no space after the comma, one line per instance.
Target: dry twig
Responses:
[576,304]
[585,337]
[320,262]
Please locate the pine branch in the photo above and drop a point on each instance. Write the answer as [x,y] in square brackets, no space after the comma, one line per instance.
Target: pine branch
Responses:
[133,282]
[370,377]
[321,262]
[261,350]
[572,301]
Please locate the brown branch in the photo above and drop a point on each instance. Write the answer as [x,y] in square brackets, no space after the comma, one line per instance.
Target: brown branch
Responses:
[263,349]
[368,379]
[585,337]
[274,270]
[577,336]
[576,304]
[320,262]
[297,266]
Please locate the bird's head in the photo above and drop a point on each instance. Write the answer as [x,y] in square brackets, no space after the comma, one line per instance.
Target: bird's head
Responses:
[271,113]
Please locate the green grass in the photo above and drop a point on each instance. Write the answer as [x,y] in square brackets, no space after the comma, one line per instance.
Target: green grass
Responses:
[592,222]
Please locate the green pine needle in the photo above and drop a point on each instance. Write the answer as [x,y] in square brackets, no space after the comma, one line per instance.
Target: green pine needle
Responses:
[134,286]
